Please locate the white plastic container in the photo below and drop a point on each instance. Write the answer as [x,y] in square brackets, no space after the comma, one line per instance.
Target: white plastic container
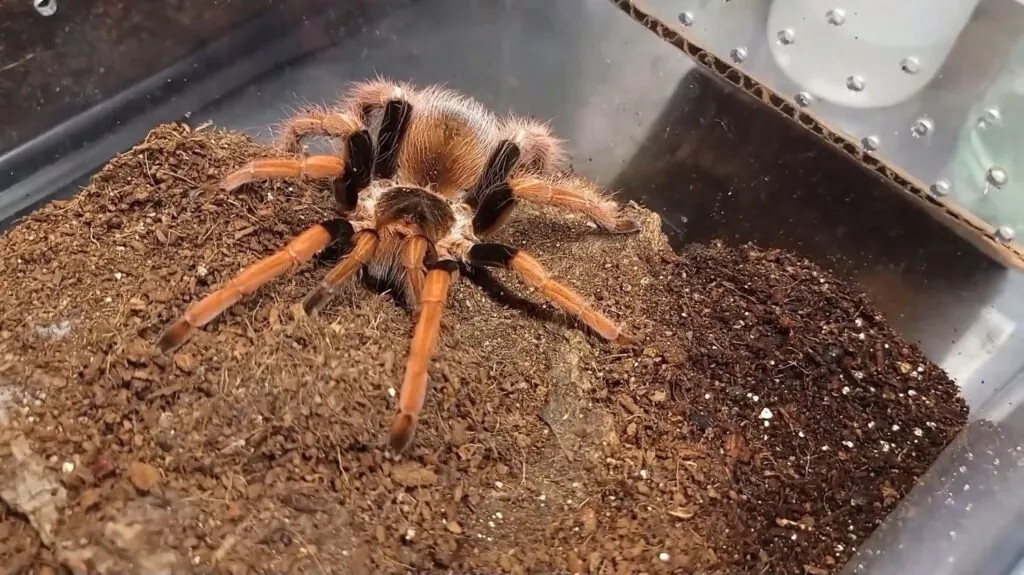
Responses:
[865,53]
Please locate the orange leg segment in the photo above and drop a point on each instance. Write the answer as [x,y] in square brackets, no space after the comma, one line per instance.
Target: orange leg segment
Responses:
[281,168]
[316,121]
[298,251]
[577,195]
[421,350]
[360,255]
[414,250]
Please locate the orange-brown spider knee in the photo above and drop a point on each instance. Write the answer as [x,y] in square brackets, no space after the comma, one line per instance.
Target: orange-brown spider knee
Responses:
[281,168]
[534,275]
[316,121]
[574,194]
[298,251]
[360,255]
[421,350]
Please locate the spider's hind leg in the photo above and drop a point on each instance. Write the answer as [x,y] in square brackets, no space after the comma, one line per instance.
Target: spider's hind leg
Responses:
[315,121]
[491,197]
[368,159]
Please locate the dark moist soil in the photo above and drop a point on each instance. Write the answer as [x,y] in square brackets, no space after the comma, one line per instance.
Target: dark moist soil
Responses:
[766,422]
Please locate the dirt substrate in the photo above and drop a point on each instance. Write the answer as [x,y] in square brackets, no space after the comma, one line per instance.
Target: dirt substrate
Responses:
[766,422]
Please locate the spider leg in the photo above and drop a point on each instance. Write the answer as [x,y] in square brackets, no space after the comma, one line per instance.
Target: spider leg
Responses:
[365,160]
[316,121]
[421,350]
[535,276]
[574,194]
[299,250]
[491,197]
[414,252]
[364,246]
[281,168]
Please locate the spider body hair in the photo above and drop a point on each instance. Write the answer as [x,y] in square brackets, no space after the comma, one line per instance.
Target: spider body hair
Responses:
[424,176]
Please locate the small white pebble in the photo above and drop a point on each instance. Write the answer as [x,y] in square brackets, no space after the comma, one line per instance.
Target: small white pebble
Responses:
[846,390]
[895,427]
[861,336]
[800,433]
[824,448]
[409,534]
[767,423]
[643,474]
[118,275]
[755,399]
[664,557]
[108,299]
[391,391]
[67,467]
[499,515]
[490,524]
[918,432]
[858,322]
[542,497]
[201,271]
[911,392]
[871,425]
[848,444]
[707,396]
[499,485]
[766,414]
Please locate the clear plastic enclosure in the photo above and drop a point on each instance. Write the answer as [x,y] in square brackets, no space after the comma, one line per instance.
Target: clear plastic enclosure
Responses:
[81,82]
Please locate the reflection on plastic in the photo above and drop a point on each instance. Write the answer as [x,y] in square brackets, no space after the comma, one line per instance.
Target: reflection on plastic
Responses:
[988,167]
[963,517]
[889,50]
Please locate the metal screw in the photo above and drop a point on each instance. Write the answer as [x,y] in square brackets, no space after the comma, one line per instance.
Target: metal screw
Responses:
[45,7]
[1005,234]
[922,127]
[996,177]
[989,118]
[836,16]
[686,18]
[786,36]
[870,143]
[941,188]
[910,65]
[803,99]
[738,54]
[855,83]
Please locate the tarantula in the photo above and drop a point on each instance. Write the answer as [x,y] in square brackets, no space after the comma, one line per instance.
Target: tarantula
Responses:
[424,174]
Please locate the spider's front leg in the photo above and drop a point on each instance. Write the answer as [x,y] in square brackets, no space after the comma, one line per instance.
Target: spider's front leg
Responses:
[425,338]
[299,250]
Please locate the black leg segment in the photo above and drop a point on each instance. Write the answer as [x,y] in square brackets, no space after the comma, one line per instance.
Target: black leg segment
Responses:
[393,126]
[492,255]
[358,171]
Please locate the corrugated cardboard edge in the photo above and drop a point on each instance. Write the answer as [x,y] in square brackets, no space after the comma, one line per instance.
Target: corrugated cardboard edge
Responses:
[964,223]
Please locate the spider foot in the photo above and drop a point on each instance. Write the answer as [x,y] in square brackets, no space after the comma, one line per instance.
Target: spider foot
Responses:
[623,225]
[403,428]
[174,336]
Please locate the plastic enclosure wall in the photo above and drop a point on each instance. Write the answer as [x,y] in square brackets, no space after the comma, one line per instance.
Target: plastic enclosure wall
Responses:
[925,94]
[966,512]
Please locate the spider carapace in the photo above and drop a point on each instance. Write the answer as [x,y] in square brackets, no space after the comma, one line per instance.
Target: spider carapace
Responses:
[423,177]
